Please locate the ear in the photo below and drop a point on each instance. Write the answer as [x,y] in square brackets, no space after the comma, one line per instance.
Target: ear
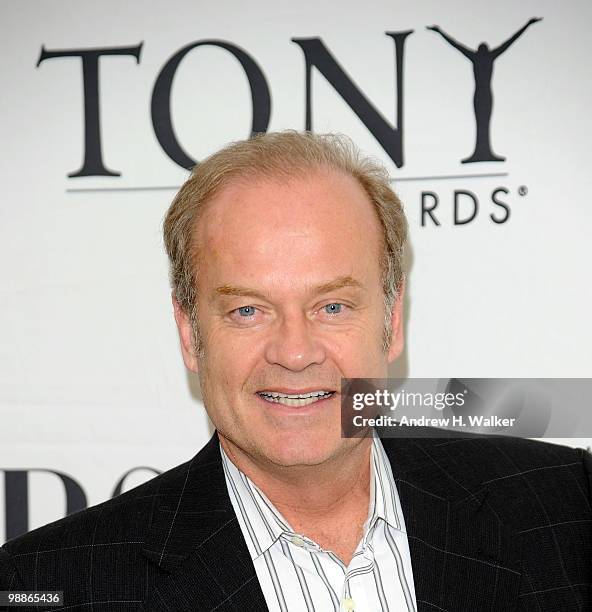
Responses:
[397,337]
[185,335]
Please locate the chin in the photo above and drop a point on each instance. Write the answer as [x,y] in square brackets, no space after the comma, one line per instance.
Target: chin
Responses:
[289,451]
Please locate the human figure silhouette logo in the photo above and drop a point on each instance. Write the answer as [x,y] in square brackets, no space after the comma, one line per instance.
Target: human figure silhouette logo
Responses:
[482,60]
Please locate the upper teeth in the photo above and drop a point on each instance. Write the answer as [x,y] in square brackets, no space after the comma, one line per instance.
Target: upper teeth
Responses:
[295,395]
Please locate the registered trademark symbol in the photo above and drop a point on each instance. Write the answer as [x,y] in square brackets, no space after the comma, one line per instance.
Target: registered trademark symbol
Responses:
[522,190]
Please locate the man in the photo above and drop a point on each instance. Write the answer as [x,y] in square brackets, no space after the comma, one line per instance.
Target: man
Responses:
[286,271]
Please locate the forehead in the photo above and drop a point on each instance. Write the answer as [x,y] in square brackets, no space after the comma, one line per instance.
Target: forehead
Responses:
[298,229]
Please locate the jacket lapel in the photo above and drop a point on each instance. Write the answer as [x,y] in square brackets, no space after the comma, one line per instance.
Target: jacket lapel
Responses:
[463,558]
[197,545]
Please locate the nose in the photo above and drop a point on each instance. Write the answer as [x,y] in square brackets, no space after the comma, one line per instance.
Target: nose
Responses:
[294,344]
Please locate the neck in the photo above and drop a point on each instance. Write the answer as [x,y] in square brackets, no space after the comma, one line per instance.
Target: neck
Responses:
[308,493]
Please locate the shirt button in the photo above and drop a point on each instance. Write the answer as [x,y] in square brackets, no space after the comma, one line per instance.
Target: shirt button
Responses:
[297,541]
[348,604]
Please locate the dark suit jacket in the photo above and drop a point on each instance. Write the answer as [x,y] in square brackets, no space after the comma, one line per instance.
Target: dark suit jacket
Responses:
[494,524]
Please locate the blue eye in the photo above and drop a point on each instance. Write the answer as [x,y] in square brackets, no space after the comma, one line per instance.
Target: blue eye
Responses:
[334,308]
[246,311]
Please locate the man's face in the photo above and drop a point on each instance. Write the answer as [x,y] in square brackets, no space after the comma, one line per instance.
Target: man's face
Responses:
[290,301]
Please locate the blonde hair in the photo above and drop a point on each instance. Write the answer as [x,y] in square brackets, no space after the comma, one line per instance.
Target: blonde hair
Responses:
[280,154]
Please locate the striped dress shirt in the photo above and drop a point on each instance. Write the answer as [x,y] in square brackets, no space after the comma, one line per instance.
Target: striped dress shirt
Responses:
[296,574]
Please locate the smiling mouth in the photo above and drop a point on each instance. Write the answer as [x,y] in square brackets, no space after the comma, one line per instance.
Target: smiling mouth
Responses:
[294,400]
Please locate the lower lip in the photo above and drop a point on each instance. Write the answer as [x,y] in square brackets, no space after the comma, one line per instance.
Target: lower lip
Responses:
[278,408]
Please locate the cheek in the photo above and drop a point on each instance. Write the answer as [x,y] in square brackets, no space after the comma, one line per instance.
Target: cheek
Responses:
[356,348]
[229,359]
[232,348]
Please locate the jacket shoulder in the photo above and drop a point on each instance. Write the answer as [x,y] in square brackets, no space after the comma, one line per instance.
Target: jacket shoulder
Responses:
[517,473]
[541,479]
[114,529]
[529,483]
[500,458]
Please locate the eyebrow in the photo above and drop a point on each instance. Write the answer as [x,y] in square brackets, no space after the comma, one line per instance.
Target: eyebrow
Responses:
[339,283]
[238,291]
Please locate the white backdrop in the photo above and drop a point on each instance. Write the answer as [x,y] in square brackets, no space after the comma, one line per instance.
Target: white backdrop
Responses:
[92,383]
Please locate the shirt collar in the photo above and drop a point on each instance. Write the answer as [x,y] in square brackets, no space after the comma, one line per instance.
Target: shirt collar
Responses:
[384,499]
[262,524]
